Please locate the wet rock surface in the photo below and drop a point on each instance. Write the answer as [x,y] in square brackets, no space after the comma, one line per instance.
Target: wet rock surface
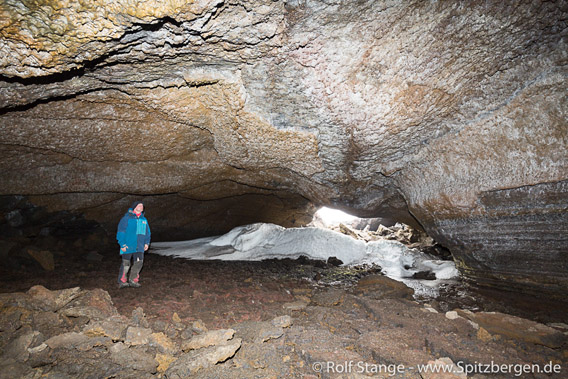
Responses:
[252,319]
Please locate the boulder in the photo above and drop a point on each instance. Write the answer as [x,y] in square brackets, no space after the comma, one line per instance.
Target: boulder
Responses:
[43,257]
[18,348]
[69,340]
[517,328]
[164,344]
[113,328]
[190,363]
[139,318]
[210,338]
[137,336]
[95,304]
[135,359]
[164,362]
[53,300]
[382,287]
[199,327]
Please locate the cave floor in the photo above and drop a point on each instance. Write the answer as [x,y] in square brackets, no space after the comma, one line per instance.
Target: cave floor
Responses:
[332,322]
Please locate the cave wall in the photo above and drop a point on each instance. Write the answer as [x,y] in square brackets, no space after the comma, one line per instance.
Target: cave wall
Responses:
[447,115]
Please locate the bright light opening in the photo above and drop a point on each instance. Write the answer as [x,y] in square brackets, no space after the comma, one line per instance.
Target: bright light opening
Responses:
[329,216]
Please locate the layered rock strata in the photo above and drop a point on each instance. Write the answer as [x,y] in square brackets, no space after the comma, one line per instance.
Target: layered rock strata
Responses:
[448,115]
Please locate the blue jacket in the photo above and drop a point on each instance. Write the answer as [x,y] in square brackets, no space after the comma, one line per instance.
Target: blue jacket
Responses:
[133,232]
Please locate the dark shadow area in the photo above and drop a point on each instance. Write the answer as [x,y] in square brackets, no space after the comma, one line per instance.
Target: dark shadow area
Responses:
[212,290]
[303,310]
[63,249]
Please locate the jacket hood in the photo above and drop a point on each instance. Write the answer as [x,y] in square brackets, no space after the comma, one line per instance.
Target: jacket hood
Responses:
[135,204]
[131,209]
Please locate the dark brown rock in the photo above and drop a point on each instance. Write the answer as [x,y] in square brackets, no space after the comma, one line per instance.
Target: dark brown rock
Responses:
[518,328]
[70,340]
[43,257]
[425,275]
[135,359]
[95,305]
[53,300]
[334,261]
[328,297]
[114,328]
[137,336]
[163,344]
[210,338]
[190,363]
[382,287]
[18,348]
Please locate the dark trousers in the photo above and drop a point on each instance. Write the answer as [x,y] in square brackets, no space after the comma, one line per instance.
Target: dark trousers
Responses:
[130,262]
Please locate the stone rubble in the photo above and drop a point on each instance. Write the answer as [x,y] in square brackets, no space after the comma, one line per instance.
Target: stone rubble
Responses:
[87,332]
[405,234]
[335,326]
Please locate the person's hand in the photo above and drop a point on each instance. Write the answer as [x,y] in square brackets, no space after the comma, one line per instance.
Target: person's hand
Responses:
[124,249]
[146,247]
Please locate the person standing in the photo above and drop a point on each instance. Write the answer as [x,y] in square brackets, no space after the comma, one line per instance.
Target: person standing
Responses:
[133,236]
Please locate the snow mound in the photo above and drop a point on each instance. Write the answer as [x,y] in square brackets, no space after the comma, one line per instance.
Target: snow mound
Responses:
[267,241]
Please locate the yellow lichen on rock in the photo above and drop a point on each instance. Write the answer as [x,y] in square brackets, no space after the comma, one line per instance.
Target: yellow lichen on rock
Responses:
[55,36]
[164,361]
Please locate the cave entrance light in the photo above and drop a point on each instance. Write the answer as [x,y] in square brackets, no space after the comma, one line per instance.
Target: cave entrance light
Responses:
[331,217]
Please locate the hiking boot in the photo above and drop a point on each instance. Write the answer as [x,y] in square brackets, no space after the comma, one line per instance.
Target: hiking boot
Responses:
[123,285]
[134,284]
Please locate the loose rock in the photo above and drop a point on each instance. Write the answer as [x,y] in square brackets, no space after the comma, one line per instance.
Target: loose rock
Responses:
[382,287]
[137,336]
[518,328]
[192,362]
[210,338]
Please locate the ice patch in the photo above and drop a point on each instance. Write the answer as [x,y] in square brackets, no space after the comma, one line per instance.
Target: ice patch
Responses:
[392,256]
[267,241]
